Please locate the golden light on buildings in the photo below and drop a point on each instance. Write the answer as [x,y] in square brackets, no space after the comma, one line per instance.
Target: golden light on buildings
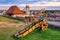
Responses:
[3,11]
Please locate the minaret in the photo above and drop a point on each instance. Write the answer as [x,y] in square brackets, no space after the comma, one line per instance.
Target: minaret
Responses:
[27,10]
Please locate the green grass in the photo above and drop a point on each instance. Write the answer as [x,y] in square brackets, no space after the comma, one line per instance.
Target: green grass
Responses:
[6,33]
[48,34]
[4,19]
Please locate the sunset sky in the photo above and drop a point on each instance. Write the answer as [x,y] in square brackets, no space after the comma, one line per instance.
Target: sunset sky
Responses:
[34,4]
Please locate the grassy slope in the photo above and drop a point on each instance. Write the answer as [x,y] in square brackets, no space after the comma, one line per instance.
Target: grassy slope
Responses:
[7,33]
[4,19]
[49,34]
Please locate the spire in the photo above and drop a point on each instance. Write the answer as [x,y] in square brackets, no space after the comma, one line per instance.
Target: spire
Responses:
[27,6]
[27,9]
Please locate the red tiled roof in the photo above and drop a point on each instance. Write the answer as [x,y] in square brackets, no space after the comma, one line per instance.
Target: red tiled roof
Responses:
[14,10]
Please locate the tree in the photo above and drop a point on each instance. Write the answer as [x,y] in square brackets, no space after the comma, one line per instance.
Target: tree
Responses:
[43,13]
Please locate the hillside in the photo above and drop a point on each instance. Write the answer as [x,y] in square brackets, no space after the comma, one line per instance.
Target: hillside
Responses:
[8,27]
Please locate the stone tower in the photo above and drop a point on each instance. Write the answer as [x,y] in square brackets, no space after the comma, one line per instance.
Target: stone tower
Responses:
[27,10]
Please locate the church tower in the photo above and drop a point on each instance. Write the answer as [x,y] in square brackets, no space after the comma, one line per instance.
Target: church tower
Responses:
[27,10]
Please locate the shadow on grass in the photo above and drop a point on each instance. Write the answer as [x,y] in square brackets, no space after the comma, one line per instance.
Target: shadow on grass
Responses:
[36,32]
[15,38]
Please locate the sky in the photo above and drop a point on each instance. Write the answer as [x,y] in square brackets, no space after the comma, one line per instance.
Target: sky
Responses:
[34,4]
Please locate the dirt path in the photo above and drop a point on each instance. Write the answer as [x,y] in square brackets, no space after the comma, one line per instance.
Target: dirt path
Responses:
[11,24]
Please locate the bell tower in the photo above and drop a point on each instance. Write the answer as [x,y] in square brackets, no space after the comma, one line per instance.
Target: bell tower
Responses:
[27,10]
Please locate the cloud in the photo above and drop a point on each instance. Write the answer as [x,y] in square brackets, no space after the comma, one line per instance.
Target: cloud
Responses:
[36,5]
[47,4]
[30,0]
[55,0]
